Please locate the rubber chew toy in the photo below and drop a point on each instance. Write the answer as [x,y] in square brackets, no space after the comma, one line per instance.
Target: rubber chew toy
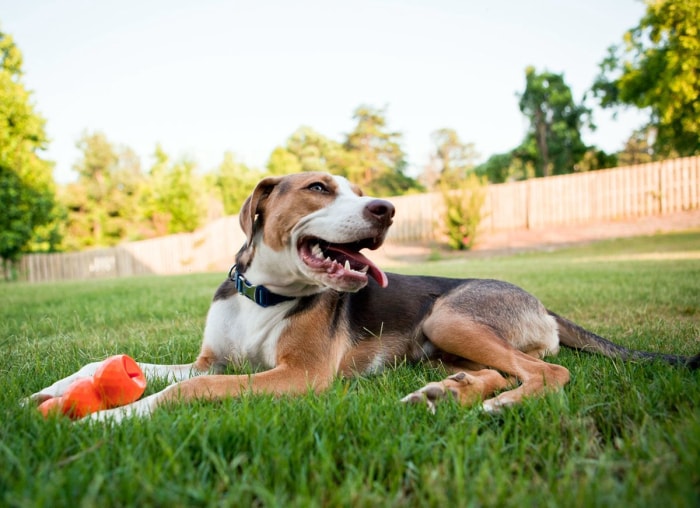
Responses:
[117,381]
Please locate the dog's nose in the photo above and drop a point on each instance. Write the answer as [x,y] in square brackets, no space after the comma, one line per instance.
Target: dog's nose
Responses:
[379,209]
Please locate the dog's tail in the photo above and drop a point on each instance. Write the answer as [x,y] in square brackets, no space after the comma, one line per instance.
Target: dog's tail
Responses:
[573,336]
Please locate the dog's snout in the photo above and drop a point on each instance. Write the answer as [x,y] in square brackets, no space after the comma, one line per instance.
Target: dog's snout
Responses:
[379,209]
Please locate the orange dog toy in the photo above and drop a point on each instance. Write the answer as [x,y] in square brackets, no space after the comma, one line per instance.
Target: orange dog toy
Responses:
[118,381]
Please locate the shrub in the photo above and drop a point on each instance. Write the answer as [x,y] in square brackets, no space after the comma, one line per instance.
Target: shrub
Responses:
[463,203]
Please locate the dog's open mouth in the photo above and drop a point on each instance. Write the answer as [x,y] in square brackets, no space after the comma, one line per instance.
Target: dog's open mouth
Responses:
[342,260]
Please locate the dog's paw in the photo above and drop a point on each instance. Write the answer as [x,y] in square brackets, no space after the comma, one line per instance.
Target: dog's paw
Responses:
[116,416]
[140,409]
[431,394]
[466,388]
[491,406]
[497,404]
[35,399]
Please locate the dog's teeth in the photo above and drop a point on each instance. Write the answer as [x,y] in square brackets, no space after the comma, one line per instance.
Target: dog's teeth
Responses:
[316,251]
[347,265]
[364,269]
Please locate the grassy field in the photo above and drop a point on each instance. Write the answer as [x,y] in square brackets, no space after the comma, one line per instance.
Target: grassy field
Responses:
[620,434]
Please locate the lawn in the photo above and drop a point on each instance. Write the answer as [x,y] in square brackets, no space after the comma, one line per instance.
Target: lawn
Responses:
[620,434]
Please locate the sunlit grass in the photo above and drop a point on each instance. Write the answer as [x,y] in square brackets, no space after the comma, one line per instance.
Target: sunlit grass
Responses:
[618,435]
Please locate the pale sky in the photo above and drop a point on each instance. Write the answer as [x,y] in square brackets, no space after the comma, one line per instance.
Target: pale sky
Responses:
[203,77]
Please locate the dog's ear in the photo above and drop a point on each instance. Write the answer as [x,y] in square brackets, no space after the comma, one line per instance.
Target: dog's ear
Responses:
[253,205]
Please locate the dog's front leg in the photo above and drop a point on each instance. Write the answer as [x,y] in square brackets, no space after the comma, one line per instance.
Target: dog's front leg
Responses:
[170,373]
[278,381]
[59,387]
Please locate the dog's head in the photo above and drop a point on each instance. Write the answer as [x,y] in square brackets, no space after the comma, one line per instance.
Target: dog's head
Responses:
[304,233]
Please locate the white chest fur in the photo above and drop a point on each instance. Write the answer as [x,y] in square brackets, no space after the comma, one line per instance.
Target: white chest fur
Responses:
[239,330]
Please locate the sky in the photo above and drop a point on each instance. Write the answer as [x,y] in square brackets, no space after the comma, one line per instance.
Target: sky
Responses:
[205,77]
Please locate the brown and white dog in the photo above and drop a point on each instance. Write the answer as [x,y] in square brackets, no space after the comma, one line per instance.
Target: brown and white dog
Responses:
[303,303]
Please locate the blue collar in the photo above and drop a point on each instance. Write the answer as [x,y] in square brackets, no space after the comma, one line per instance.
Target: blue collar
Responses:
[259,294]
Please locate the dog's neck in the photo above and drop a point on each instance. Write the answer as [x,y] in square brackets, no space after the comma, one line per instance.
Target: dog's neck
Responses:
[275,271]
[259,294]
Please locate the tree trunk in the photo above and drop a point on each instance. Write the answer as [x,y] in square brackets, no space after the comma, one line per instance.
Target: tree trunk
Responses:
[541,136]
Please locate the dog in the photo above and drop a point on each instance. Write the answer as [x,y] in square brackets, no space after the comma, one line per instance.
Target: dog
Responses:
[303,305]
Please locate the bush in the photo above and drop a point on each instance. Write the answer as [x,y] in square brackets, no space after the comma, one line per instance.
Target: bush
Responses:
[463,203]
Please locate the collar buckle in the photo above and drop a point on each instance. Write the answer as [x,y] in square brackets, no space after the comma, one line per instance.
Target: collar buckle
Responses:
[259,294]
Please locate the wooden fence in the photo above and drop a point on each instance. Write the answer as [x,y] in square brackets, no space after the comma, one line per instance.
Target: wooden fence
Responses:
[211,248]
[637,191]
[644,190]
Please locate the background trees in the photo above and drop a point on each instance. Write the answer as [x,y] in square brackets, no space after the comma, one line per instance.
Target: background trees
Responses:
[657,68]
[27,190]
[307,150]
[114,201]
[102,205]
[374,157]
[553,142]
[451,160]
[370,155]
[174,198]
[231,183]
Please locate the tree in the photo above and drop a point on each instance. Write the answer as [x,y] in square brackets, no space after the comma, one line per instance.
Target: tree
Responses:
[595,159]
[307,150]
[506,167]
[638,148]
[27,190]
[374,158]
[553,142]
[283,162]
[103,205]
[370,156]
[657,69]
[451,160]
[233,183]
[174,199]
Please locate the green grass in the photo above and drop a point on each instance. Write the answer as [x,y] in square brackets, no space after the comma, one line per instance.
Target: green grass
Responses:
[620,434]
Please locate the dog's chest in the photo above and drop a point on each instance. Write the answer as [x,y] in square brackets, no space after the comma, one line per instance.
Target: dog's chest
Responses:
[239,331]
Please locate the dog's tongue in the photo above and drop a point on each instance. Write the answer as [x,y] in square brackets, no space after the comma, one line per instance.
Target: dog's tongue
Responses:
[373,271]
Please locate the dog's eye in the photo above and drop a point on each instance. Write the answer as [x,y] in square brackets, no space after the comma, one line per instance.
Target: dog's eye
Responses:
[318,187]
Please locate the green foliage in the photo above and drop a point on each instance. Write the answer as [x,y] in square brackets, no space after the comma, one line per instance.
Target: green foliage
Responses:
[553,143]
[174,199]
[374,159]
[596,159]
[620,434]
[233,183]
[370,156]
[451,160]
[463,201]
[27,190]
[638,148]
[496,168]
[657,69]
[307,150]
[102,207]
[505,167]
[113,201]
